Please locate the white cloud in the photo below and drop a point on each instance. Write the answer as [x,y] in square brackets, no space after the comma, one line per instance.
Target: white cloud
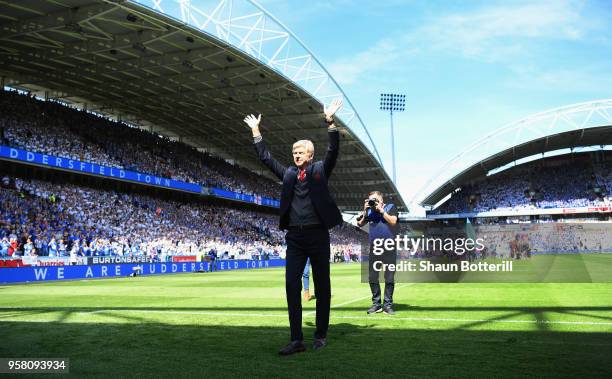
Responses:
[496,32]
[492,34]
[589,78]
[377,57]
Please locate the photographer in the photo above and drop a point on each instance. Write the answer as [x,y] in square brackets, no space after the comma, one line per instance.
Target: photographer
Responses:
[382,219]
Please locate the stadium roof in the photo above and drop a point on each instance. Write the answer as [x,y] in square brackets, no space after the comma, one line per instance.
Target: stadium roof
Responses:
[487,151]
[571,139]
[170,77]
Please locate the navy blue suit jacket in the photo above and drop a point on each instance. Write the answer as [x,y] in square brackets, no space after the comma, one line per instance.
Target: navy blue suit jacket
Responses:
[316,174]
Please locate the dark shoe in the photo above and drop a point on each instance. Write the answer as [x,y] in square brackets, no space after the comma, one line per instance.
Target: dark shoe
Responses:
[375,309]
[388,310]
[319,343]
[292,347]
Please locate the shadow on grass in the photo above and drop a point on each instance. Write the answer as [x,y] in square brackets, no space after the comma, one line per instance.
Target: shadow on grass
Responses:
[162,350]
[538,314]
[397,307]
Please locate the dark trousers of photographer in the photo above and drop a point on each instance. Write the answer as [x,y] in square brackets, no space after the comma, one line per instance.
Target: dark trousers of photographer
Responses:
[388,257]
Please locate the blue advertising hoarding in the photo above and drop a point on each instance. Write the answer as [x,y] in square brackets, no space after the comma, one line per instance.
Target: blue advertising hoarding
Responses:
[51,273]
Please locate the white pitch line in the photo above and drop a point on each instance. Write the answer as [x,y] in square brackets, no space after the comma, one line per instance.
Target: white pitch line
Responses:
[483,321]
[372,317]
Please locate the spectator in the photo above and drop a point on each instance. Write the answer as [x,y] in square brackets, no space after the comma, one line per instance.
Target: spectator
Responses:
[42,126]
[559,182]
[93,222]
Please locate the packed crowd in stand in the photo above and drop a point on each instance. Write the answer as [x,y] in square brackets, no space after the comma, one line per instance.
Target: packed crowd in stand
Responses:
[52,128]
[520,242]
[567,183]
[47,219]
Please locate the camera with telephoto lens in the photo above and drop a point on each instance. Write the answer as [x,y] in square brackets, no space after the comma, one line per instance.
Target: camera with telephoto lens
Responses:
[372,202]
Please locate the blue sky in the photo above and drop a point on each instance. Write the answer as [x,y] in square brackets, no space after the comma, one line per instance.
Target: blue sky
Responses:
[466,67]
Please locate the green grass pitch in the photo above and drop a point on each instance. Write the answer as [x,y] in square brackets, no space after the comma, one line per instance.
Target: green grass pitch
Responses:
[231,324]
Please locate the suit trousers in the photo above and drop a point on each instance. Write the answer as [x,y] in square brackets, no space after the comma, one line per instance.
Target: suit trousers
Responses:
[302,245]
[388,257]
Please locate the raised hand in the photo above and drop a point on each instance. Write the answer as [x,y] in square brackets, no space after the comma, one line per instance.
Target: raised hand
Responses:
[380,207]
[252,121]
[332,108]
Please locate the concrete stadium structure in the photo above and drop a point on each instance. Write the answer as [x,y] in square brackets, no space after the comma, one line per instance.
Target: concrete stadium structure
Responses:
[573,128]
[190,71]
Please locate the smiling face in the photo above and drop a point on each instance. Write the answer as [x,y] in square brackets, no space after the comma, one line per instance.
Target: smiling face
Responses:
[303,152]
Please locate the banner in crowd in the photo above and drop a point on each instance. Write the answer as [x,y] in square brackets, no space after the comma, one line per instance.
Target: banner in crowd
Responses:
[259,200]
[184,258]
[10,263]
[52,161]
[93,169]
[41,274]
[42,261]
[53,261]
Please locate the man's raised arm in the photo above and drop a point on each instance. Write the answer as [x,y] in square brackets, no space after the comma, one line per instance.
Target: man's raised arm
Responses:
[262,150]
[333,149]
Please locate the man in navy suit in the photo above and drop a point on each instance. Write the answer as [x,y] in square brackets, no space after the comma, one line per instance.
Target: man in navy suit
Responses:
[307,211]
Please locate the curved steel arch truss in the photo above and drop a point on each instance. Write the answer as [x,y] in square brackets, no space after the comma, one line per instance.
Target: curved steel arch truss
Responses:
[246,25]
[571,117]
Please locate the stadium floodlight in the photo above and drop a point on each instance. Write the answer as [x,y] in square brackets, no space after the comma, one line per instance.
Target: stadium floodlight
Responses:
[392,102]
